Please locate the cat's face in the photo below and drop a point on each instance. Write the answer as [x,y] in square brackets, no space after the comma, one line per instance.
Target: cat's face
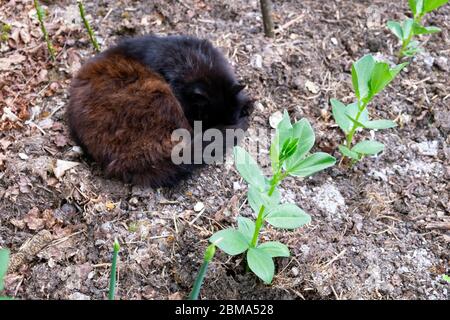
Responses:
[218,104]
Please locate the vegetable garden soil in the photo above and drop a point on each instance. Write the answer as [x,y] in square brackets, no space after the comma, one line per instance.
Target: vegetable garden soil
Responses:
[380,230]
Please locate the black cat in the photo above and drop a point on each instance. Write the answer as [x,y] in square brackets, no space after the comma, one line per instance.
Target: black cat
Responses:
[126,102]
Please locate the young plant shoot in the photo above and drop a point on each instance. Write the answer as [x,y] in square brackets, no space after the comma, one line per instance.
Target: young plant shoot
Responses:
[88,26]
[40,15]
[113,276]
[289,154]
[209,255]
[369,77]
[4,261]
[406,30]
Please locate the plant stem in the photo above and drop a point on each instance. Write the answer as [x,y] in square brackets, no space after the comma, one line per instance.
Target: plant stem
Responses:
[209,255]
[38,8]
[88,27]
[404,45]
[277,178]
[350,135]
[266,9]
[112,279]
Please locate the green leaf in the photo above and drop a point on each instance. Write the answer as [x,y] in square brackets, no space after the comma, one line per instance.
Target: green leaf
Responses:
[303,131]
[284,129]
[4,260]
[396,29]
[261,264]
[349,153]
[248,168]
[312,164]
[418,29]
[257,198]
[246,226]
[361,72]
[287,216]
[275,153]
[446,278]
[430,5]
[380,124]
[382,75]
[394,71]
[231,241]
[407,28]
[416,7]
[340,115]
[288,149]
[368,147]
[275,249]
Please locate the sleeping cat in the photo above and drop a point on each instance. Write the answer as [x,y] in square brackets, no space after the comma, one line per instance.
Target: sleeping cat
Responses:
[126,102]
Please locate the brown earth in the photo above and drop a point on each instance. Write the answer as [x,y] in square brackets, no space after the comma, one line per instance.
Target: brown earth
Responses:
[380,230]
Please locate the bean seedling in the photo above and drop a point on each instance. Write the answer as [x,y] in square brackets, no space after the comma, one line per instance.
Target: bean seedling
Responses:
[289,154]
[407,29]
[209,255]
[112,279]
[4,260]
[369,77]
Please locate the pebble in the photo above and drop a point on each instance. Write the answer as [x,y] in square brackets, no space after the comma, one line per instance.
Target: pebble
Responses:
[428,148]
[429,60]
[442,64]
[256,61]
[23,156]
[199,206]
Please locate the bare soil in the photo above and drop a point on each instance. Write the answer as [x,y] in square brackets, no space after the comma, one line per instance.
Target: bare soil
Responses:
[380,230]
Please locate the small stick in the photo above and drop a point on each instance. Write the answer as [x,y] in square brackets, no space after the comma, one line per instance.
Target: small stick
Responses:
[88,27]
[40,15]
[266,9]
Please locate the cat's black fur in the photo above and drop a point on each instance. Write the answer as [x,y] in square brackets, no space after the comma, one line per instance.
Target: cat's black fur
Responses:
[198,73]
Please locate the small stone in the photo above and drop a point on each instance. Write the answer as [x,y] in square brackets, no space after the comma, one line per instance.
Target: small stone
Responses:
[236,186]
[133,201]
[442,64]
[427,148]
[294,271]
[312,87]
[23,156]
[334,41]
[79,296]
[77,149]
[256,61]
[199,206]
[275,119]
[429,60]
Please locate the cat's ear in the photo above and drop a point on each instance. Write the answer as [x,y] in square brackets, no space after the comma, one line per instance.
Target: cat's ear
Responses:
[237,88]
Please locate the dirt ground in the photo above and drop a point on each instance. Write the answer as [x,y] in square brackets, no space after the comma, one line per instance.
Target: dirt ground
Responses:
[380,230]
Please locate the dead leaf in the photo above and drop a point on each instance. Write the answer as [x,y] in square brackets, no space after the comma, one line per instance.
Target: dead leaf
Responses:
[7,62]
[60,140]
[33,221]
[61,166]
[25,36]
